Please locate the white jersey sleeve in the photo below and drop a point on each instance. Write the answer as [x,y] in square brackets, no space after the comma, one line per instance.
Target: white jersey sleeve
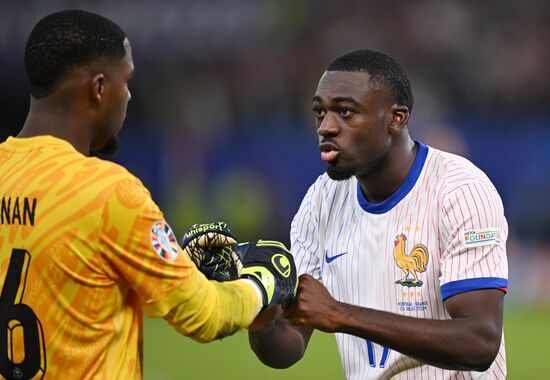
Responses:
[304,236]
[473,231]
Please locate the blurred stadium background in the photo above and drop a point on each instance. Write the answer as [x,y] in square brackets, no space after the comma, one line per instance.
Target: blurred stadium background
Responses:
[220,127]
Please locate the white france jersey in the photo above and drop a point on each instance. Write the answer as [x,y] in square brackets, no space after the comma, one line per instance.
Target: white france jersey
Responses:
[443,232]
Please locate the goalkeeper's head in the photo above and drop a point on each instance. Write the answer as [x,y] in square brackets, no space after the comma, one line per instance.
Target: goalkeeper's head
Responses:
[80,61]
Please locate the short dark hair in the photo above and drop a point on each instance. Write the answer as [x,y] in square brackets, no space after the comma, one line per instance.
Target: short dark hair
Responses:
[382,69]
[66,40]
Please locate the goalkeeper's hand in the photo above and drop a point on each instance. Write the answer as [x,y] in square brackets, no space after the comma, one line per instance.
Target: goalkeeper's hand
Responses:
[210,247]
[271,265]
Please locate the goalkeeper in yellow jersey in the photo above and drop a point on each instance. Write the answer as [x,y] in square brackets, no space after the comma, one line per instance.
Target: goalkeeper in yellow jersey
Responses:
[83,247]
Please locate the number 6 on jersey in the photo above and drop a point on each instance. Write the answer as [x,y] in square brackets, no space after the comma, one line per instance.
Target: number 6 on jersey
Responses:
[19,324]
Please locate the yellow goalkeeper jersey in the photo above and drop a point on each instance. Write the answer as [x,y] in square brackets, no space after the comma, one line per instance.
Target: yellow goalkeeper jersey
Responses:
[83,250]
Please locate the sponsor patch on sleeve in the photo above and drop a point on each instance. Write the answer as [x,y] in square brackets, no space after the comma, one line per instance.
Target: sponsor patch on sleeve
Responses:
[488,236]
[163,241]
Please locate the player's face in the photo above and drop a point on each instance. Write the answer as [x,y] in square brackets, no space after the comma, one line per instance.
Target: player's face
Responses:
[351,117]
[117,96]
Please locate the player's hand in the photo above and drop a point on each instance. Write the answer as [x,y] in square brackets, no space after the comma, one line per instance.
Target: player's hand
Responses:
[271,265]
[314,306]
[210,247]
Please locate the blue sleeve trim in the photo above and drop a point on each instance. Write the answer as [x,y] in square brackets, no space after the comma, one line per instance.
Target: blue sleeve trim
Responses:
[461,286]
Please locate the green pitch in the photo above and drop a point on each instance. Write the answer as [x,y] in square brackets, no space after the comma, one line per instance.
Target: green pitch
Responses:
[170,356]
[527,334]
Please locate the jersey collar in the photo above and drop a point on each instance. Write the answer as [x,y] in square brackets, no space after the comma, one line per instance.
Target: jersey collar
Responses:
[28,143]
[402,191]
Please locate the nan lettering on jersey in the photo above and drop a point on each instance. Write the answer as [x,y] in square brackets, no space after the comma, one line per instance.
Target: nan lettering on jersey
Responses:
[16,210]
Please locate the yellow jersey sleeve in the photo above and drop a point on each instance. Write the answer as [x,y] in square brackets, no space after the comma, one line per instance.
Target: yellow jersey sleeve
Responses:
[140,251]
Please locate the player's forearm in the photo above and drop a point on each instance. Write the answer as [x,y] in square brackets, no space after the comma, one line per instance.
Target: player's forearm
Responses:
[207,310]
[458,343]
[275,342]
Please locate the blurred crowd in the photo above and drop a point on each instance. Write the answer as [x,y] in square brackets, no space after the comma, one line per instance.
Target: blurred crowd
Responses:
[220,126]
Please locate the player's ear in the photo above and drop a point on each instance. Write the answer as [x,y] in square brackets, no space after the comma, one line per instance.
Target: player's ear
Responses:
[399,117]
[97,88]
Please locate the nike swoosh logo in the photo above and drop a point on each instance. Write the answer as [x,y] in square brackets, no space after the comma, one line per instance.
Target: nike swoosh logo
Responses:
[330,259]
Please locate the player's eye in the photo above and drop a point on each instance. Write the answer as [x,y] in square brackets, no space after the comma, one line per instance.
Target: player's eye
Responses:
[319,112]
[344,112]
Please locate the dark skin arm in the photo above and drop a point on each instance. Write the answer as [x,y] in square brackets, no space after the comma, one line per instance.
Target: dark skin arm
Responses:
[276,342]
[468,341]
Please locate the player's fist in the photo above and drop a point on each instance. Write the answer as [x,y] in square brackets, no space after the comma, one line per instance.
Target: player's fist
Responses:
[210,247]
[271,265]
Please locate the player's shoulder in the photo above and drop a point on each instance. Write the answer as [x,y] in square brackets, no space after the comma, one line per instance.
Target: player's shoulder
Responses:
[326,190]
[324,185]
[113,175]
[110,168]
[452,171]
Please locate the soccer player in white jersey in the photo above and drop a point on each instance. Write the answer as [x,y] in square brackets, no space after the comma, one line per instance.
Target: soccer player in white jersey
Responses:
[401,246]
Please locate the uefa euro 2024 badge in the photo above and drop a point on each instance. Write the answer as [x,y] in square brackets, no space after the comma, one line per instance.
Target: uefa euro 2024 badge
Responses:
[163,241]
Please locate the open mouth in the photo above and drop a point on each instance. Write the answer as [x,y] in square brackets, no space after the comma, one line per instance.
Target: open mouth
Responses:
[329,151]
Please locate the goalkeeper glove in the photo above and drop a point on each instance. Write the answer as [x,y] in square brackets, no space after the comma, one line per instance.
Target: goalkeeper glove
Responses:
[271,265]
[210,247]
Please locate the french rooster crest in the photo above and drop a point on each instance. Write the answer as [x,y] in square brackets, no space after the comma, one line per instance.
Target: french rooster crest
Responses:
[415,262]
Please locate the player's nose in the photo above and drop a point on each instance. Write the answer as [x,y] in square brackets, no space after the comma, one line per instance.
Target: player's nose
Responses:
[329,126]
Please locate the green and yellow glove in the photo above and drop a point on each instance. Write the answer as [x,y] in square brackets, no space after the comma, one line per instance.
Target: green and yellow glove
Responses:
[271,265]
